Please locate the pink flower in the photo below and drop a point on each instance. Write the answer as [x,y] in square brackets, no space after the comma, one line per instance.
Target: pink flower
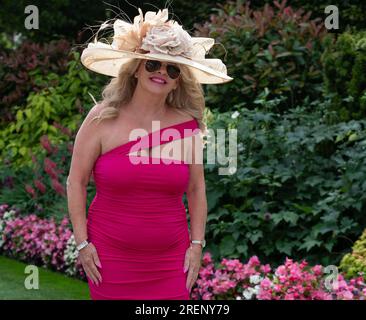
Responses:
[46,144]
[58,187]
[254,261]
[40,186]
[30,190]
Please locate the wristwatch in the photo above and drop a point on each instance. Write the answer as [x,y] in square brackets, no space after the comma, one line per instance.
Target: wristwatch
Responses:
[82,245]
[201,242]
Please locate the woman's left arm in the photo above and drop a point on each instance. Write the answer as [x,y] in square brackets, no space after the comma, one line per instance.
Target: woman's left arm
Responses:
[197,207]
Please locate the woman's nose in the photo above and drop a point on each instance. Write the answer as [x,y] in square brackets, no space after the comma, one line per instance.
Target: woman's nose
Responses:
[162,69]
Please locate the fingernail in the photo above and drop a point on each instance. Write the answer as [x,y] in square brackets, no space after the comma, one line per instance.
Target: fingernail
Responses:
[185,269]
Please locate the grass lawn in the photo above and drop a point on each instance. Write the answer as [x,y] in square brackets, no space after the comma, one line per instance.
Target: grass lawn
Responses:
[52,285]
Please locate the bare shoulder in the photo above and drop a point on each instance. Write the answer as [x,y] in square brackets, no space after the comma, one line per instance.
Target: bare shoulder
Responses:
[88,136]
[93,113]
[86,148]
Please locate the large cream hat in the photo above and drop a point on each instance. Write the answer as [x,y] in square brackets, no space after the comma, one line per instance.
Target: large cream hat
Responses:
[157,38]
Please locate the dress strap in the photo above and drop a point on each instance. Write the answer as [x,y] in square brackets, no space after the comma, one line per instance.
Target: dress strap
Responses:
[159,137]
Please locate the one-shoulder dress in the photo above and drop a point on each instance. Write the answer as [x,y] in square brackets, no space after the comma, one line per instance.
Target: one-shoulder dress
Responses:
[137,221]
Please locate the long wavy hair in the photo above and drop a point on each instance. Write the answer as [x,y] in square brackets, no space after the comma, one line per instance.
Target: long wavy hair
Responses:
[187,98]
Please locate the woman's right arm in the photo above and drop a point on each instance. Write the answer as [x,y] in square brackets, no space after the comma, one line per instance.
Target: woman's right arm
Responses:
[87,148]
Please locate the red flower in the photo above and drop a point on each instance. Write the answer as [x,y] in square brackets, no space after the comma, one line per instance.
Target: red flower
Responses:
[41,187]
[49,166]
[46,144]
[30,190]
[58,187]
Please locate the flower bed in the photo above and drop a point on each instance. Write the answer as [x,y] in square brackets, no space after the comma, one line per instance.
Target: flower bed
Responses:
[39,241]
[290,281]
[44,243]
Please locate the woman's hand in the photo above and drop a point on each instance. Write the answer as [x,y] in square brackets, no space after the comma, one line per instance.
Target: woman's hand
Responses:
[90,261]
[192,264]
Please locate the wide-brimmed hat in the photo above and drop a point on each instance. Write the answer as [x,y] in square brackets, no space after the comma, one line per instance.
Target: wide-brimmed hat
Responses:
[154,37]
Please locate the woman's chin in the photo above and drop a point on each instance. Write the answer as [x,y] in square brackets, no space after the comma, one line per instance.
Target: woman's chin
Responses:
[157,89]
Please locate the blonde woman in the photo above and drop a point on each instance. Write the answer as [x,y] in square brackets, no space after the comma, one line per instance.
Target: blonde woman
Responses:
[135,242]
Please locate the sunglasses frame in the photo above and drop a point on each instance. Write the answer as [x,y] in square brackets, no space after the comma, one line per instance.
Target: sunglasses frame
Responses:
[157,66]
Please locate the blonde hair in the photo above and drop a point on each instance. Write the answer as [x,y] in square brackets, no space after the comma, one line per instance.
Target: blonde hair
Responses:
[187,98]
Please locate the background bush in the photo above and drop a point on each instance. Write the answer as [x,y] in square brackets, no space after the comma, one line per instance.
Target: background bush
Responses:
[61,19]
[354,262]
[21,68]
[63,100]
[344,75]
[274,48]
[351,12]
[299,189]
[40,187]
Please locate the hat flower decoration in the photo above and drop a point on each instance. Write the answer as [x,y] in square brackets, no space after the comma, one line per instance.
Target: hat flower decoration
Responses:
[157,38]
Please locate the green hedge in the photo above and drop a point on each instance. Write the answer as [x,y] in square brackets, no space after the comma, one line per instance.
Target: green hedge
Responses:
[62,101]
[354,263]
[299,189]
[269,48]
[345,76]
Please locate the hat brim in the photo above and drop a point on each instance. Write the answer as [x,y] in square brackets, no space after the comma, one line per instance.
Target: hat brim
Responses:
[108,61]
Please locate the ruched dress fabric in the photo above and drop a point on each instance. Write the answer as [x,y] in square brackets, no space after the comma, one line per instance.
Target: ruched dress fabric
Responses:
[137,221]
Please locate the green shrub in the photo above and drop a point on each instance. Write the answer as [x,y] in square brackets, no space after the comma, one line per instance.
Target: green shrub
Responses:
[274,48]
[351,13]
[299,189]
[354,263]
[17,75]
[40,188]
[59,102]
[345,77]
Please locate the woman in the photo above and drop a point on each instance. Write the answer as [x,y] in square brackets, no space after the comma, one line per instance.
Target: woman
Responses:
[135,242]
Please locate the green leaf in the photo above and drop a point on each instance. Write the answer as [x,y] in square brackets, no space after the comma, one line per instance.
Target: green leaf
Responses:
[28,113]
[23,150]
[242,248]
[284,246]
[303,208]
[255,236]
[291,217]
[310,244]
[19,115]
[227,245]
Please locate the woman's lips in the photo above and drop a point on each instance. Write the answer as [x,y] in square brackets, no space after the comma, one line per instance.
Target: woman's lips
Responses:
[158,80]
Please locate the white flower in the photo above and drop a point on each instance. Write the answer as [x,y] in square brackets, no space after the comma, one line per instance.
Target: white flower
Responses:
[168,39]
[256,289]
[248,293]
[238,298]
[235,114]
[255,279]
[9,215]
[70,256]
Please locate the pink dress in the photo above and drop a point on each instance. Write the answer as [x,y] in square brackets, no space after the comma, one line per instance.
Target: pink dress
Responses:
[137,222]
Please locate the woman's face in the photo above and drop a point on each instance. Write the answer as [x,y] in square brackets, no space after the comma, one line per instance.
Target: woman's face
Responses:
[157,81]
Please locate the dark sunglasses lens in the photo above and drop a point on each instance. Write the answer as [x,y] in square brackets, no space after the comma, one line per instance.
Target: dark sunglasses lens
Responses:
[152,65]
[173,71]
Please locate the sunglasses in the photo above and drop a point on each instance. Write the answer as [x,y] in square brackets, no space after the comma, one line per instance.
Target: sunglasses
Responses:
[154,65]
